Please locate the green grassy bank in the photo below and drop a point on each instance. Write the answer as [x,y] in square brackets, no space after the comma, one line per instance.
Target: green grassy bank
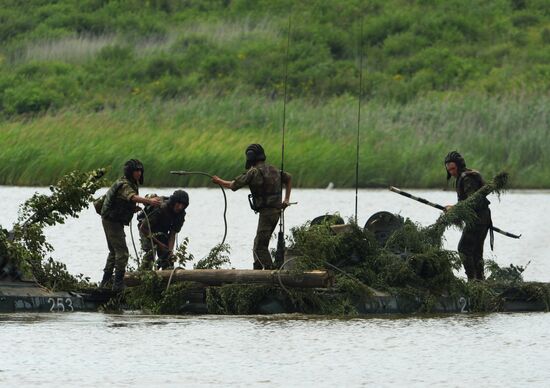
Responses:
[188,84]
[399,144]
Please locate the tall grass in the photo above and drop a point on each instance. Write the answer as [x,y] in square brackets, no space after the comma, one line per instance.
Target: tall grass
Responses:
[72,49]
[229,31]
[400,144]
[82,48]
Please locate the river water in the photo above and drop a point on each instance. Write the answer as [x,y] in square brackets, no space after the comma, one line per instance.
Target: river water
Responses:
[90,349]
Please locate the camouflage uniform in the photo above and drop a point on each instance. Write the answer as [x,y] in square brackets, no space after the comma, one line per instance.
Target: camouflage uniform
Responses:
[473,237]
[117,211]
[265,186]
[161,222]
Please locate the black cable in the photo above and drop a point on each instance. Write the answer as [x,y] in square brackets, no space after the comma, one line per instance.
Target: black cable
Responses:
[224,197]
[134,244]
[224,215]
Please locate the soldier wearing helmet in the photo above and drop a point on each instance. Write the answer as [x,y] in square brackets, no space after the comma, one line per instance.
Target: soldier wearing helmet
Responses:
[119,206]
[473,237]
[158,228]
[265,182]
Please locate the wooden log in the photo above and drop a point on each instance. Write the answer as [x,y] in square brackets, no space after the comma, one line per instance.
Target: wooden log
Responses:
[218,277]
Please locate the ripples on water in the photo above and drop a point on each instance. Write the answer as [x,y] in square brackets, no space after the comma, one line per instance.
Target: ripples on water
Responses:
[91,349]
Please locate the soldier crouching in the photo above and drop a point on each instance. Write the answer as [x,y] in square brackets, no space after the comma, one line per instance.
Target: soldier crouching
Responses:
[158,229]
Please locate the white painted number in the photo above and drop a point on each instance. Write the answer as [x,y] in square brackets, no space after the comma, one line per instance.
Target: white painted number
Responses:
[59,305]
[69,304]
[462,303]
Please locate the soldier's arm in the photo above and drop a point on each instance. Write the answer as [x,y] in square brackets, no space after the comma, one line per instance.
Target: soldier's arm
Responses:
[219,181]
[240,181]
[155,201]
[146,231]
[129,194]
[171,240]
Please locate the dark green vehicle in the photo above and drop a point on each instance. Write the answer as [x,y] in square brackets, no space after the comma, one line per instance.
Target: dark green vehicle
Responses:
[28,296]
[19,295]
[25,295]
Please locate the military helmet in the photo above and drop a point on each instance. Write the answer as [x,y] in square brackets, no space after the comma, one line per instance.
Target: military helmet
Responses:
[179,196]
[254,153]
[454,157]
[133,165]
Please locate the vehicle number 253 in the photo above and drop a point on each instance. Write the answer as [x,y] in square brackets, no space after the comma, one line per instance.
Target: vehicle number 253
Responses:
[61,305]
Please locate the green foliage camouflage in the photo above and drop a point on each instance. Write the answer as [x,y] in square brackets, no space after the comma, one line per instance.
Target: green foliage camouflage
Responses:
[216,258]
[155,296]
[410,257]
[25,250]
[411,264]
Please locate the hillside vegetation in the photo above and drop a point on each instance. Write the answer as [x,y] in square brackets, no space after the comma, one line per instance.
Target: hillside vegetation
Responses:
[188,84]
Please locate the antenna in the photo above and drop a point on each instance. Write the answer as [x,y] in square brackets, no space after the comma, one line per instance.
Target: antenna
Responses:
[359,116]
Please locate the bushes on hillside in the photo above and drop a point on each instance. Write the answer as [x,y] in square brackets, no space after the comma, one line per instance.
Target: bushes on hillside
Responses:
[37,87]
[165,48]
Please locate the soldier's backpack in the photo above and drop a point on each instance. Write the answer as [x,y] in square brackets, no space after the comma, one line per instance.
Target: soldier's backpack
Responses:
[98,203]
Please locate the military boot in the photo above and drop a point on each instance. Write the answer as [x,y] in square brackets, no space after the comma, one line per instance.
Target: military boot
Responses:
[107,279]
[118,284]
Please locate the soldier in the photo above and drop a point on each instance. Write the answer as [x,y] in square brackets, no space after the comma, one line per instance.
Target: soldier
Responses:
[473,237]
[119,206]
[264,182]
[158,229]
